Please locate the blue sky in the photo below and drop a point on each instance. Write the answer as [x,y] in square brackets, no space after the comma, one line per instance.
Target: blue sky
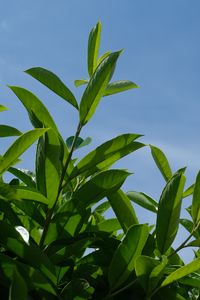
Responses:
[162,46]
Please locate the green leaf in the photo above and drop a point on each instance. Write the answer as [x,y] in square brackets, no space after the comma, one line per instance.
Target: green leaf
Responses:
[189,191]
[53,82]
[161,162]
[189,226]
[31,194]
[18,288]
[79,142]
[93,48]
[25,177]
[157,273]
[196,201]
[182,272]
[123,261]
[6,130]
[96,87]
[143,200]
[49,166]
[102,57]
[80,82]
[105,155]
[38,114]
[123,209]
[3,108]
[169,212]
[109,225]
[99,186]
[100,209]
[119,86]
[19,147]
[192,280]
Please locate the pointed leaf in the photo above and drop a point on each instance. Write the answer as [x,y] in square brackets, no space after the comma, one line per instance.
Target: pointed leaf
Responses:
[169,212]
[143,200]
[80,82]
[31,194]
[96,87]
[3,108]
[123,262]
[19,147]
[105,155]
[102,57]
[18,288]
[53,82]
[196,200]
[123,209]
[189,191]
[93,48]
[119,86]
[23,176]
[161,162]
[182,272]
[189,226]
[157,273]
[6,130]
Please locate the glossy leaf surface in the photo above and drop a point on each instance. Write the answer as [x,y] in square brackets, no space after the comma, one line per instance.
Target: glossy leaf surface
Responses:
[143,200]
[93,48]
[119,86]
[161,162]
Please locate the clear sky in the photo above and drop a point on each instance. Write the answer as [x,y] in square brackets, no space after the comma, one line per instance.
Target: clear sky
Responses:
[162,45]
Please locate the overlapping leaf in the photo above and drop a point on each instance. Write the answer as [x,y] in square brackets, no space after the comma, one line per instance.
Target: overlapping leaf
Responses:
[119,86]
[93,48]
[196,201]
[161,162]
[143,200]
[6,131]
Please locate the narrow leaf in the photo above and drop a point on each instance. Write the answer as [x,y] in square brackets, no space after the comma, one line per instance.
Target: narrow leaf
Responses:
[196,200]
[3,108]
[80,82]
[53,82]
[23,176]
[189,191]
[105,155]
[123,209]
[143,200]
[119,86]
[96,87]
[18,288]
[31,194]
[182,272]
[123,262]
[6,130]
[169,212]
[102,57]
[161,162]
[93,48]
[19,147]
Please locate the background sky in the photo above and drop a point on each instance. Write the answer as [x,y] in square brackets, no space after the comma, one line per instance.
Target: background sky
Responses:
[162,45]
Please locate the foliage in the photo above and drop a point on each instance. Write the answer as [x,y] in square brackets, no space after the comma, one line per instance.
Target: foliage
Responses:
[55,241]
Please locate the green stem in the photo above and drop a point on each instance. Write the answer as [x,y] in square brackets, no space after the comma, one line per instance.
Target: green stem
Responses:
[51,210]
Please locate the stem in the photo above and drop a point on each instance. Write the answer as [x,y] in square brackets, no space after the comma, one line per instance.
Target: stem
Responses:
[60,187]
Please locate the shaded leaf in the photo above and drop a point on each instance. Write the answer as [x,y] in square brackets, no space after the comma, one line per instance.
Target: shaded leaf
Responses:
[106,154]
[96,87]
[18,288]
[119,86]
[23,176]
[143,200]
[169,212]
[189,226]
[123,262]
[93,48]
[123,209]
[6,131]
[19,147]
[79,142]
[189,191]
[161,162]
[195,212]
[53,82]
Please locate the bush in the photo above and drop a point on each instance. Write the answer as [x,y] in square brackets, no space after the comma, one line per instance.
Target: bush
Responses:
[55,241]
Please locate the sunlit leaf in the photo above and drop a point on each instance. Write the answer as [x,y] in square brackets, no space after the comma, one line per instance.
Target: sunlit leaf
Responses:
[189,191]
[143,200]
[31,194]
[19,147]
[6,130]
[169,212]
[93,48]
[23,176]
[196,201]
[80,82]
[119,86]
[123,262]
[53,82]
[3,108]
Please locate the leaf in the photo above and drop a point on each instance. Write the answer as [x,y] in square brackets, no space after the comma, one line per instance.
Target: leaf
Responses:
[102,57]
[99,186]
[6,131]
[96,87]
[123,209]
[3,108]
[182,272]
[192,280]
[80,82]
[169,212]
[18,288]
[189,226]
[119,86]
[19,147]
[109,225]
[79,142]
[53,82]
[49,166]
[31,194]
[196,201]
[105,155]
[93,48]
[27,179]
[38,114]
[157,273]
[143,200]
[101,208]
[161,162]
[189,191]
[123,261]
